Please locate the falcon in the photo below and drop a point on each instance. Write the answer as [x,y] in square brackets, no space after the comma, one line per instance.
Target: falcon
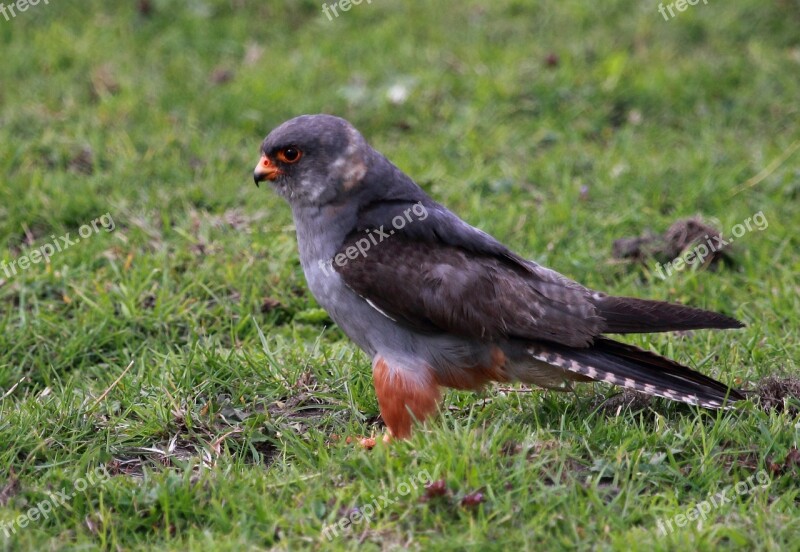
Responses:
[438,303]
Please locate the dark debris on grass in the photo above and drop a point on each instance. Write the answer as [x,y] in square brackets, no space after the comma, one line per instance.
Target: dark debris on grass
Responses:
[680,237]
[779,394]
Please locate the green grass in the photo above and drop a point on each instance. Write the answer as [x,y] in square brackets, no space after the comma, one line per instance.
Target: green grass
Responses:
[221,434]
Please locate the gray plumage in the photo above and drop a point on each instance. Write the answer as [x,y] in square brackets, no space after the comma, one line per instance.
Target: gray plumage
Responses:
[437,300]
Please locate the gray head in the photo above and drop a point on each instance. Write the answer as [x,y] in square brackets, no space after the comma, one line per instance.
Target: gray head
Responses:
[313,160]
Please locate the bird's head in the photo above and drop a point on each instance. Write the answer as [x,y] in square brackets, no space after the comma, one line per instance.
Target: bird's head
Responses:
[313,160]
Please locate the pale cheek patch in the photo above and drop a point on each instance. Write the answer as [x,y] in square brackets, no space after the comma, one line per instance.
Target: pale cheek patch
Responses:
[351,163]
[351,170]
[353,174]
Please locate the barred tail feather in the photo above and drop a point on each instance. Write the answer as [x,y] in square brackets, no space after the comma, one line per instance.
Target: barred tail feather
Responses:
[633,368]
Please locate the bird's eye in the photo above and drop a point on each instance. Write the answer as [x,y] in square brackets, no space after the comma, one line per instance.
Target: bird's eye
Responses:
[289,155]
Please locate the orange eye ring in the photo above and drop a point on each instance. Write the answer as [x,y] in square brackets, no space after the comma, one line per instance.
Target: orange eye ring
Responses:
[289,155]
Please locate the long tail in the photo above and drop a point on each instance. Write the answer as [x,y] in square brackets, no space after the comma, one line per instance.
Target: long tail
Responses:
[631,315]
[628,366]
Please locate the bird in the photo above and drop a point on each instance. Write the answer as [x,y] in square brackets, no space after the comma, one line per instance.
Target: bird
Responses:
[437,303]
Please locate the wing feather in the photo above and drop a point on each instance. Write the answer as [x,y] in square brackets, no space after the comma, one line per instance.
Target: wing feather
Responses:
[435,287]
[439,274]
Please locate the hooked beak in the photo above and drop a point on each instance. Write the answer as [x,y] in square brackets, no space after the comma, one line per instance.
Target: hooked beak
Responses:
[265,170]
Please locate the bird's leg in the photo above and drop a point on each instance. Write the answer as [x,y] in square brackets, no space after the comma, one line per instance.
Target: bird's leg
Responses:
[404,395]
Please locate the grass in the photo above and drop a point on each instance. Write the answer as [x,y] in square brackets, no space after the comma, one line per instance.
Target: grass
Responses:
[556,126]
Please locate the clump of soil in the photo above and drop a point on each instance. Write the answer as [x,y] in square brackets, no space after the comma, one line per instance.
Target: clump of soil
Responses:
[683,236]
[778,394]
[627,399]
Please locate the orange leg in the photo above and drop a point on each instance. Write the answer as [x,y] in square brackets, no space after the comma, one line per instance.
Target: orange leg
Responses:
[404,397]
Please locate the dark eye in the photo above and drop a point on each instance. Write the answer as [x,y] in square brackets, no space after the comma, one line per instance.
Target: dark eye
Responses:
[289,155]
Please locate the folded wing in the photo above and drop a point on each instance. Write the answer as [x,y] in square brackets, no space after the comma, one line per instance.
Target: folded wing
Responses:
[439,274]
